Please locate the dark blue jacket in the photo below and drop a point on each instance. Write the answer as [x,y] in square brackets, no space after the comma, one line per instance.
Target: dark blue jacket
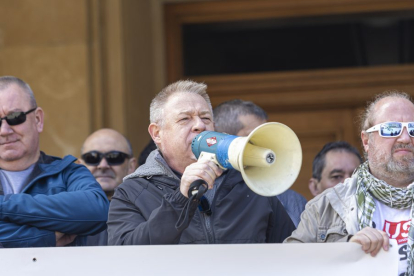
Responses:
[59,196]
[145,209]
[294,204]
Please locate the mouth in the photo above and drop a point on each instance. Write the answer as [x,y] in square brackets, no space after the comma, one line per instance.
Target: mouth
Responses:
[104,177]
[401,151]
[8,142]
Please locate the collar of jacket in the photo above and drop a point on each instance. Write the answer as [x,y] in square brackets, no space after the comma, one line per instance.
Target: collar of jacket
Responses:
[154,165]
[48,165]
[343,201]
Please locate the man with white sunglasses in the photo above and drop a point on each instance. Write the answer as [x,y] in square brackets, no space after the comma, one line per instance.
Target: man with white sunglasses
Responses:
[44,200]
[376,203]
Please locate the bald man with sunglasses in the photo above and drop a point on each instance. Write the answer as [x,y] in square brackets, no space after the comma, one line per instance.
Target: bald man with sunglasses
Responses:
[109,157]
[376,203]
[44,200]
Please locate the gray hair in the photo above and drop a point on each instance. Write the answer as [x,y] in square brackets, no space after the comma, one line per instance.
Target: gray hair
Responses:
[226,115]
[6,81]
[187,86]
[368,116]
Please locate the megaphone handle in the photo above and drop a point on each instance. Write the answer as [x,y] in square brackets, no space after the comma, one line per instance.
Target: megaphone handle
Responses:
[195,192]
[198,187]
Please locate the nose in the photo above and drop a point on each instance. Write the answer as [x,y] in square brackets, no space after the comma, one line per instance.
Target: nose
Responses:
[199,125]
[5,128]
[103,164]
[404,137]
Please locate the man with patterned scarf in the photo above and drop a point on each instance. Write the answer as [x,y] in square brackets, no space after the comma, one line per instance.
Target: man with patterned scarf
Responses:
[376,203]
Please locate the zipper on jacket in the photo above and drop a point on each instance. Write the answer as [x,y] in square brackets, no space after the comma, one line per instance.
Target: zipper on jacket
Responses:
[205,220]
[208,225]
[208,232]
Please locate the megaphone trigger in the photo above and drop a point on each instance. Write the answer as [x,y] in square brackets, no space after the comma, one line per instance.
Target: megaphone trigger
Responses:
[210,157]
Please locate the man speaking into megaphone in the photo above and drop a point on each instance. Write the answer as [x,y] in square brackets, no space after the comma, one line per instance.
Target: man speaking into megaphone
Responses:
[153,205]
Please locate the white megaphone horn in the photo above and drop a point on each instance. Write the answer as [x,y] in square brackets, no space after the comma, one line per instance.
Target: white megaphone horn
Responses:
[269,159]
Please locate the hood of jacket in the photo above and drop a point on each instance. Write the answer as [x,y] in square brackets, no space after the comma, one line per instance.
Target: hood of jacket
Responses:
[154,165]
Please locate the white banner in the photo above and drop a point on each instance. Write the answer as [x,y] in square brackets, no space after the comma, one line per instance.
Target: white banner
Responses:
[337,259]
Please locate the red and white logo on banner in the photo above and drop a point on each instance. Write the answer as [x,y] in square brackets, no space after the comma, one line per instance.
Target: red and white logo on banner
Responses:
[211,141]
[397,230]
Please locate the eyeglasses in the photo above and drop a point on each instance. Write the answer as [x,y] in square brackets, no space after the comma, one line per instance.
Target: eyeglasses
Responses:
[16,118]
[392,129]
[113,158]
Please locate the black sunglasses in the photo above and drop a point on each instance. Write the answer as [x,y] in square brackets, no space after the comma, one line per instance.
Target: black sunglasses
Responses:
[113,158]
[16,118]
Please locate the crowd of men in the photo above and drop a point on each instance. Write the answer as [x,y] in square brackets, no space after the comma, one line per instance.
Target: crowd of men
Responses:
[109,199]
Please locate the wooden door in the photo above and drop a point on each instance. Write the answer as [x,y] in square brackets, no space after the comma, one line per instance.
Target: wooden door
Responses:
[320,105]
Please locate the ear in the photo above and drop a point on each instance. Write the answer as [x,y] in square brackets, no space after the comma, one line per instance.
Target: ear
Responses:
[39,117]
[313,186]
[132,165]
[80,161]
[155,132]
[365,139]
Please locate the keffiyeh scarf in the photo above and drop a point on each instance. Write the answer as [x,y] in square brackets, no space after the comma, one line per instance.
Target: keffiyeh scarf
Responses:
[368,188]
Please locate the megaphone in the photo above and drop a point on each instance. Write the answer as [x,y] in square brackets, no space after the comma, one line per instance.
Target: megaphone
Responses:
[269,159]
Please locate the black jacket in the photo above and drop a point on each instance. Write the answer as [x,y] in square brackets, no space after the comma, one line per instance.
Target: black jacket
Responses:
[145,210]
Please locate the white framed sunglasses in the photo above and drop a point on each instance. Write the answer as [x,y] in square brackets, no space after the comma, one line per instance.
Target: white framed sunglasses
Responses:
[392,129]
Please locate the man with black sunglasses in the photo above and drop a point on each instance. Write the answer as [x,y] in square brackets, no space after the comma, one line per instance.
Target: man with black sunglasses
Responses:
[152,205]
[44,200]
[375,204]
[108,155]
